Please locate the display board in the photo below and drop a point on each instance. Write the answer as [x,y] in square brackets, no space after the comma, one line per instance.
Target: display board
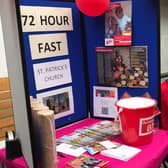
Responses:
[60,51]
[56,69]
[52,41]
[145,32]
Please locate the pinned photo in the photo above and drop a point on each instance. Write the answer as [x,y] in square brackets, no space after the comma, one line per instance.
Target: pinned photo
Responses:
[60,101]
[122,66]
[105,93]
[118,24]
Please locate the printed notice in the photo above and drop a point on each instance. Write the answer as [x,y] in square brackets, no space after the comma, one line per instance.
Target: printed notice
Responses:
[48,45]
[104,102]
[60,101]
[35,18]
[52,74]
[118,24]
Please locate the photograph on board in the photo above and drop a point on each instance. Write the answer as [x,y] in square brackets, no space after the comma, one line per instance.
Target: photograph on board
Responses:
[122,66]
[118,24]
[105,93]
[60,101]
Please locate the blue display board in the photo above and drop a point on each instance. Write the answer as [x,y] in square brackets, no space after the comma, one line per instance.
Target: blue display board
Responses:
[145,29]
[145,33]
[75,55]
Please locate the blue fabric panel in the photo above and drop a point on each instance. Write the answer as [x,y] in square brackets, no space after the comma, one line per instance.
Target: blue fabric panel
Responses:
[145,33]
[76,61]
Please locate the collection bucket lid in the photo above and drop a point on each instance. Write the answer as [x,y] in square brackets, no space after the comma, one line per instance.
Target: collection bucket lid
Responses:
[136,103]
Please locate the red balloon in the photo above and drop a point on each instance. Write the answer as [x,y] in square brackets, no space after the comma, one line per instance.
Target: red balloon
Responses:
[93,7]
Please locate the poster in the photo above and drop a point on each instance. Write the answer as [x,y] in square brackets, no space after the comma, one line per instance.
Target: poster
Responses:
[118,24]
[51,74]
[122,66]
[60,101]
[104,102]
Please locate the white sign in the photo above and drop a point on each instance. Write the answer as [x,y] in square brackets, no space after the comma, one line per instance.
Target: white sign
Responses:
[35,18]
[60,101]
[146,126]
[52,74]
[104,102]
[48,45]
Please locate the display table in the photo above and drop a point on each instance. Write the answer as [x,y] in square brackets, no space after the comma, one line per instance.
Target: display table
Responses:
[16,163]
[151,155]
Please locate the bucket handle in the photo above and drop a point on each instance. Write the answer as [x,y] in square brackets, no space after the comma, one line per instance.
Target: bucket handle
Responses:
[156,112]
[119,111]
[117,119]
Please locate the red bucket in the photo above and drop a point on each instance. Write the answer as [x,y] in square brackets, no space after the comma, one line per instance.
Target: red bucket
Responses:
[136,116]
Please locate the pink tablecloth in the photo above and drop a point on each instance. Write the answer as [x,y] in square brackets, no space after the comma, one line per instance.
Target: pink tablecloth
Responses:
[16,163]
[151,155]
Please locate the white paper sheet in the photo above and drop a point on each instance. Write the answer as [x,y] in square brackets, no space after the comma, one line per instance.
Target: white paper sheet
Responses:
[51,74]
[70,150]
[104,101]
[36,18]
[48,45]
[123,152]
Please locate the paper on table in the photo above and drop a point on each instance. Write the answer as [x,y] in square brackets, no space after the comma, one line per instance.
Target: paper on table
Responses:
[108,144]
[70,150]
[123,152]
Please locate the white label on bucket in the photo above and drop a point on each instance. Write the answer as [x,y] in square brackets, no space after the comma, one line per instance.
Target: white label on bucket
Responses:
[146,126]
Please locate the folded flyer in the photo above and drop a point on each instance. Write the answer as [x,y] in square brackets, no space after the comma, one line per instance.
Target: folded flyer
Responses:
[122,152]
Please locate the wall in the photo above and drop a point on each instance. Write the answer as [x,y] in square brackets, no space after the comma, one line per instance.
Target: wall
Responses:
[3,66]
[6,111]
[164,35]
[18,92]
